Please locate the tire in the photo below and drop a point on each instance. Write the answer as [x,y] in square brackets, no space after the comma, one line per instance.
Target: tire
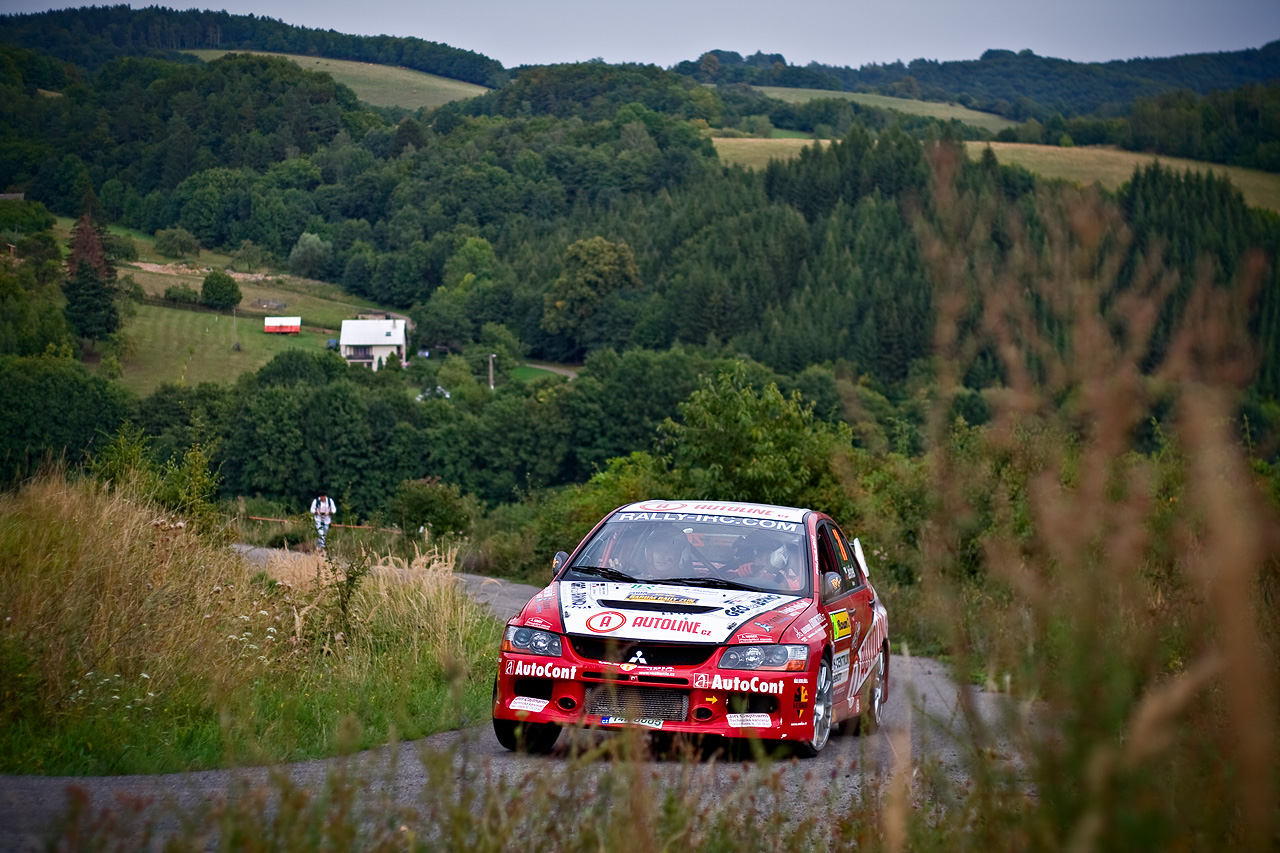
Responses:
[872,717]
[823,710]
[533,738]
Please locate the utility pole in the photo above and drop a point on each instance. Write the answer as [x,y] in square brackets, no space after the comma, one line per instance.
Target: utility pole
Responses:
[492,356]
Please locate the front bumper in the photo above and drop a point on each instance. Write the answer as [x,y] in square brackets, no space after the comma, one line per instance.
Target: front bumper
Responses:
[701,699]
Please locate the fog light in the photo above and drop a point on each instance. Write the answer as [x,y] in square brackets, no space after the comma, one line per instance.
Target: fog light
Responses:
[567,703]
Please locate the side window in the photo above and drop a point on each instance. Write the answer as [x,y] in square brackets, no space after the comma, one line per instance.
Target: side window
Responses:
[829,561]
[848,561]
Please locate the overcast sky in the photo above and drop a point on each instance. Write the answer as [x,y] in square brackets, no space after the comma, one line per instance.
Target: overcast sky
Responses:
[833,32]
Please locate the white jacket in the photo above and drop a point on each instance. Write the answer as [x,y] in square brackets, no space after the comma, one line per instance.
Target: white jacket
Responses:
[323,507]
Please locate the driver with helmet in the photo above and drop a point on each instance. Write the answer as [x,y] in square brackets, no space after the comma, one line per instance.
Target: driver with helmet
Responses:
[759,560]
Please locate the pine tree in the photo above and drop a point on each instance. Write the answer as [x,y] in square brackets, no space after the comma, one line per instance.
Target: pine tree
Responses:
[91,283]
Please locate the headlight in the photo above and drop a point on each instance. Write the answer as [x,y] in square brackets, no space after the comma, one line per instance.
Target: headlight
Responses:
[531,641]
[792,658]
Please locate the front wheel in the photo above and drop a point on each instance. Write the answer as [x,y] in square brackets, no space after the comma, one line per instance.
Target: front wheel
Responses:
[533,738]
[822,713]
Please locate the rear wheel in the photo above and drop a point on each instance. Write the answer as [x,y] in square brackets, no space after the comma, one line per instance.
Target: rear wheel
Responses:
[533,738]
[823,709]
[877,690]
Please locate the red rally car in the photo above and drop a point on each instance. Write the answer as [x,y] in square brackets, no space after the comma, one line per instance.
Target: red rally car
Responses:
[699,617]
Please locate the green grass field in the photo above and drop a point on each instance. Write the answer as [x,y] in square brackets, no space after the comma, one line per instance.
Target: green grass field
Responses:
[528,373]
[380,85]
[322,306]
[1111,167]
[194,346]
[986,121]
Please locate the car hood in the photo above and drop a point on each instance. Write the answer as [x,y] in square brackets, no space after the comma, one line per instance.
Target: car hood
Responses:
[642,611]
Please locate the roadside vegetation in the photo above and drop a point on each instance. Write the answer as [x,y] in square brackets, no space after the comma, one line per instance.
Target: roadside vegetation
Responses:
[135,642]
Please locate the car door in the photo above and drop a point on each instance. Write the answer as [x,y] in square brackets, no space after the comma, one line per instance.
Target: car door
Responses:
[840,605]
[861,607]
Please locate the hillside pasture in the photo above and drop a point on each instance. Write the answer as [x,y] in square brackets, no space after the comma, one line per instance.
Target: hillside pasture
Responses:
[320,305]
[944,112]
[173,345]
[1111,167]
[380,85]
[756,153]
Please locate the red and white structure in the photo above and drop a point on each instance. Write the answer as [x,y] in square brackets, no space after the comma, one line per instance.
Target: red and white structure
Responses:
[282,325]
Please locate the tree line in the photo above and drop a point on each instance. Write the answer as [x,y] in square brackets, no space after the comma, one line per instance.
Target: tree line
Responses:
[92,36]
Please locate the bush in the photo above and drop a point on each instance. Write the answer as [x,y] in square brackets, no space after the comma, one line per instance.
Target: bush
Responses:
[310,256]
[182,293]
[177,243]
[220,291]
[120,247]
[429,503]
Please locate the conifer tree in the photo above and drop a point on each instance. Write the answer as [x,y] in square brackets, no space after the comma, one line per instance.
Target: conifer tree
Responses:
[91,283]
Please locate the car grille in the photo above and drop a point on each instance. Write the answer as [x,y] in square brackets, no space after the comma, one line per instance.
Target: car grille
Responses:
[633,703]
[655,654]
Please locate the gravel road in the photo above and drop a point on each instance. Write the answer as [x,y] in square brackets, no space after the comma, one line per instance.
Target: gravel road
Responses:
[922,701]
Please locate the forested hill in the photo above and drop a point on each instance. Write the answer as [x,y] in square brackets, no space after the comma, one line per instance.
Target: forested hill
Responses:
[91,36]
[1019,85]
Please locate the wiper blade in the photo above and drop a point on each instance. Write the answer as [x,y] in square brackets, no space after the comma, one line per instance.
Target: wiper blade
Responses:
[716,583]
[605,572]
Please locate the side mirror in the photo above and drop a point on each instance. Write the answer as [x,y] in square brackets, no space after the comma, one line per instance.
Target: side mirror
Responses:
[558,561]
[862,560]
[830,585]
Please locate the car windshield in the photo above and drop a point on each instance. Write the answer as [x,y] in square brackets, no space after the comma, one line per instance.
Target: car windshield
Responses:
[728,553]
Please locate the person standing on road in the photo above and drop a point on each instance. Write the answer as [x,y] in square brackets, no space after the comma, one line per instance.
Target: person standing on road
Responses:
[323,508]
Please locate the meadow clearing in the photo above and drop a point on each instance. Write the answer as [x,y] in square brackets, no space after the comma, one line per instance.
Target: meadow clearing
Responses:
[1111,167]
[380,85]
[189,347]
[944,112]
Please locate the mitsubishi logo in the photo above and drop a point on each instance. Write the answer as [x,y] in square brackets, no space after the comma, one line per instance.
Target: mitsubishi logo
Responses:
[638,657]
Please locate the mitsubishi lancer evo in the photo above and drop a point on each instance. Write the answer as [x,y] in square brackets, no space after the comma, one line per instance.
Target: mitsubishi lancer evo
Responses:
[699,618]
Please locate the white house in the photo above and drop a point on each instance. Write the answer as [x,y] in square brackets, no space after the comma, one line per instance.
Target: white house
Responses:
[372,342]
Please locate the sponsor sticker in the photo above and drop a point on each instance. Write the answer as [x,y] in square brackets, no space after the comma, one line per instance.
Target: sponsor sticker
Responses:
[749,721]
[794,607]
[740,684]
[578,595]
[527,703]
[540,670]
[840,665]
[812,629]
[606,621]
[662,623]
[538,622]
[661,598]
[648,514]
[702,681]
[800,700]
[753,638]
[647,722]
[839,624]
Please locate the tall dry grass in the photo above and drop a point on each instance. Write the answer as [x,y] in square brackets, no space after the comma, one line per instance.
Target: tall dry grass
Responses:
[1119,592]
[132,645]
